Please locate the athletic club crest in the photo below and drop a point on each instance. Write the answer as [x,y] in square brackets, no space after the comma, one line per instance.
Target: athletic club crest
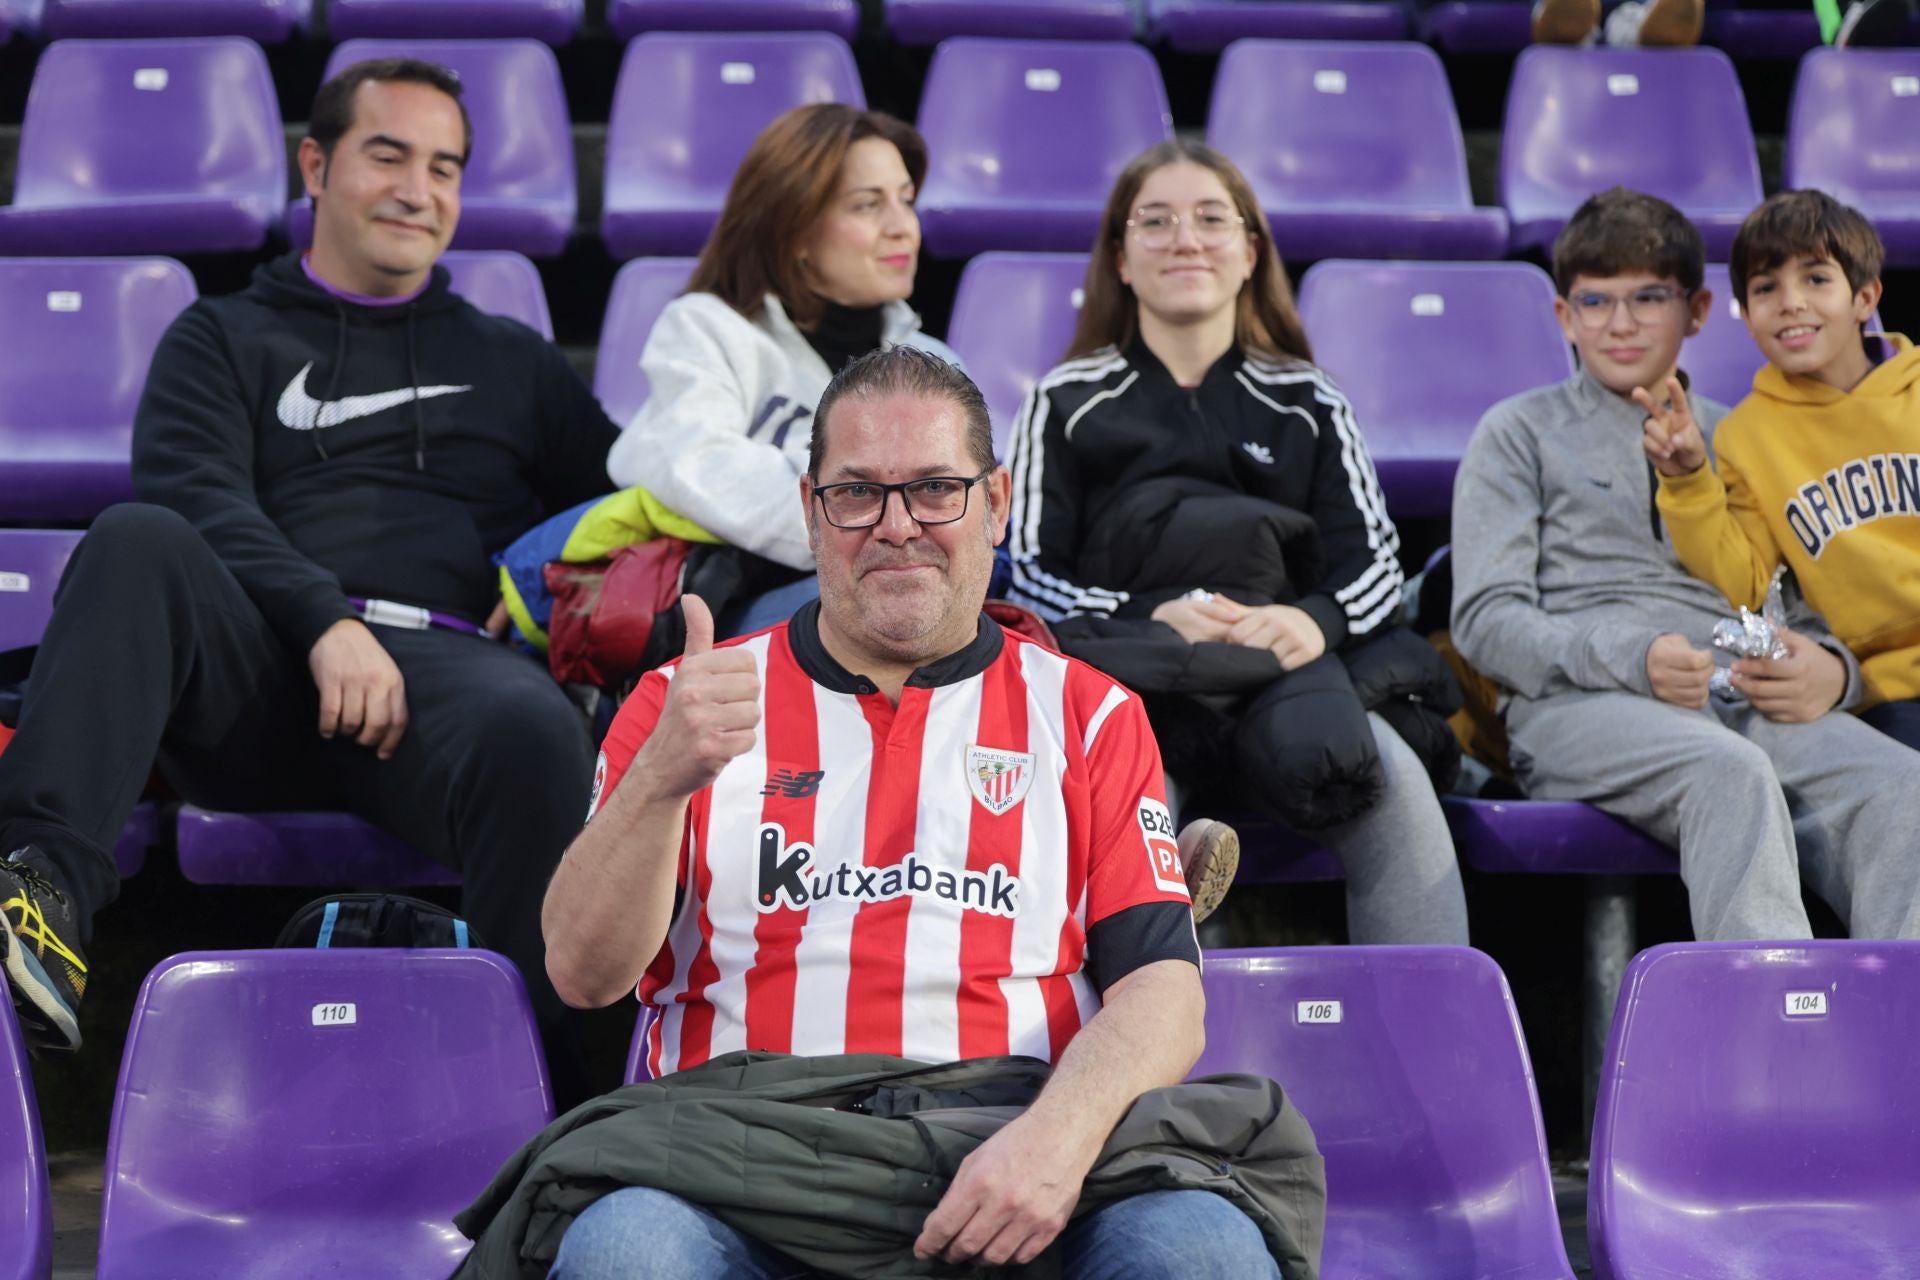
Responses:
[998,779]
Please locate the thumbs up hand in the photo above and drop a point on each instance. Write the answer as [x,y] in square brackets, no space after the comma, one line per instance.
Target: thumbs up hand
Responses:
[1670,436]
[711,711]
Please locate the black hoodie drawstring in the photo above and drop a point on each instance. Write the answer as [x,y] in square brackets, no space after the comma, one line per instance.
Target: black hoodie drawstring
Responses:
[333,382]
[333,379]
[419,419]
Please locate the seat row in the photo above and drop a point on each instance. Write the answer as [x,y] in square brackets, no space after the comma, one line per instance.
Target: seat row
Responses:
[1423,349]
[1468,26]
[1353,149]
[360,1098]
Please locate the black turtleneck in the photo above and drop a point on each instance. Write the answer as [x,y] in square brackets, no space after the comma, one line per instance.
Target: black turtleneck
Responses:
[845,334]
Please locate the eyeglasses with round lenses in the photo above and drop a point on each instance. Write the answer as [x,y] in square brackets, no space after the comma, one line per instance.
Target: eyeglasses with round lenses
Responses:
[1213,224]
[862,504]
[1650,305]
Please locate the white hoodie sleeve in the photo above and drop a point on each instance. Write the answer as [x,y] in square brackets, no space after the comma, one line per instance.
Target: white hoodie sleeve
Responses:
[722,437]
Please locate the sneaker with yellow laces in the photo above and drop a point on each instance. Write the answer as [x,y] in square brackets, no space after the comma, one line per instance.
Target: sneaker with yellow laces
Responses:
[40,950]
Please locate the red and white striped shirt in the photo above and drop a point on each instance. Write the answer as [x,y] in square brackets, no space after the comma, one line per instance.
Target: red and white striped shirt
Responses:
[916,880]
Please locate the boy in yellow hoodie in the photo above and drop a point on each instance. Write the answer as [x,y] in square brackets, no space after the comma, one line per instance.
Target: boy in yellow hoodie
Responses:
[1819,467]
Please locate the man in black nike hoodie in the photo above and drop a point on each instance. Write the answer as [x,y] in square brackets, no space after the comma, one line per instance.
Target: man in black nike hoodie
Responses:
[300,617]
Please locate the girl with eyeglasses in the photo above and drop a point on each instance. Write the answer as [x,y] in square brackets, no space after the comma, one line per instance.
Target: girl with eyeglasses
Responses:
[1194,510]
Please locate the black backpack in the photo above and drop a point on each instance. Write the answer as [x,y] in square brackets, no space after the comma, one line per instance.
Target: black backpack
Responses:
[375,920]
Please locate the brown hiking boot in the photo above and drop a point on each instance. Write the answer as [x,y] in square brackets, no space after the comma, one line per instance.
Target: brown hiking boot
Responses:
[1210,854]
[1673,23]
[1564,21]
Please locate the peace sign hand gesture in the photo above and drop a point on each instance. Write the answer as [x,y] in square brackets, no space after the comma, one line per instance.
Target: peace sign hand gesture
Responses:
[1670,436]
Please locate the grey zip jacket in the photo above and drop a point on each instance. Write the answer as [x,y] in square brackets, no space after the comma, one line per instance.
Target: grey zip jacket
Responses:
[1563,573]
[851,1152]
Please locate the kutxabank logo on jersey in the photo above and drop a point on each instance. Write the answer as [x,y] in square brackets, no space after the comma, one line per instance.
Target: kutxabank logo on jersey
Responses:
[789,878]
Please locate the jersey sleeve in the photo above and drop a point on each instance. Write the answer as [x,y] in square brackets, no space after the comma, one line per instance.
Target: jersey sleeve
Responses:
[1134,858]
[631,728]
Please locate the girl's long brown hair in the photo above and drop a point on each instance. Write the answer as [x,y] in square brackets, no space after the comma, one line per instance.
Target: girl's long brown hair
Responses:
[784,184]
[1265,320]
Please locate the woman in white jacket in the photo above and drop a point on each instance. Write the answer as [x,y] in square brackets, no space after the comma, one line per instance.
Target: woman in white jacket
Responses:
[809,266]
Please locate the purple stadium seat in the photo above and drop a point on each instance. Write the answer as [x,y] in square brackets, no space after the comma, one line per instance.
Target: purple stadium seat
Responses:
[518,191]
[924,22]
[1478,26]
[1206,26]
[1721,359]
[1422,350]
[1760,35]
[1758,1117]
[548,21]
[1271,854]
[267,21]
[356,1100]
[1025,139]
[26,1204]
[1353,149]
[1410,1065]
[20,18]
[78,336]
[297,849]
[1562,837]
[630,18]
[641,290]
[31,562]
[205,171]
[1670,122]
[502,284]
[1013,317]
[1854,132]
[685,110]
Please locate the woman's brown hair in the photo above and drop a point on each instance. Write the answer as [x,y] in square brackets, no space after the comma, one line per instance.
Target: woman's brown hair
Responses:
[784,184]
[1265,321]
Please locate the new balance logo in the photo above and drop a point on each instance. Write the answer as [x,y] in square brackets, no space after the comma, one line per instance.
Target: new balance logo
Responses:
[1258,452]
[785,883]
[794,784]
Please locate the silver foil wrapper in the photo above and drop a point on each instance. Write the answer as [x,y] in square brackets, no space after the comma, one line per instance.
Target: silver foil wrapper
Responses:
[1751,635]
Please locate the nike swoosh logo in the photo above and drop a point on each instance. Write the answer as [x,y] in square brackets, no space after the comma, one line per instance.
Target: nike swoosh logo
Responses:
[301,412]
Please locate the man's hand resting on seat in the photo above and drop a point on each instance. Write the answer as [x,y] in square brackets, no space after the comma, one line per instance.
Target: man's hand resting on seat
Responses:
[362,694]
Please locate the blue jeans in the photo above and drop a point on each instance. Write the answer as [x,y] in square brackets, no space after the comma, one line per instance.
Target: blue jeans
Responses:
[643,1234]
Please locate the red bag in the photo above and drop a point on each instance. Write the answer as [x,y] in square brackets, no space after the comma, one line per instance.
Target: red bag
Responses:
[1022,621]
[603,612]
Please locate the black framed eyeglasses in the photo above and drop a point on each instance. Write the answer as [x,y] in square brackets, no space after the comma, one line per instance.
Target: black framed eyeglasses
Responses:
[861,504]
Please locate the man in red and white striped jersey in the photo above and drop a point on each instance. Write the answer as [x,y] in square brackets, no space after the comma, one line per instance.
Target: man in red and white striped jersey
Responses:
[890,826]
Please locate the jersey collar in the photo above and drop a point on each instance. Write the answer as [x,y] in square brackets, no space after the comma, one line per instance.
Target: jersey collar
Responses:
[803,633]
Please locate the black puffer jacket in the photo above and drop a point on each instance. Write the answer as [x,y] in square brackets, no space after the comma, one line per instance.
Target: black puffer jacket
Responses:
[1298,740]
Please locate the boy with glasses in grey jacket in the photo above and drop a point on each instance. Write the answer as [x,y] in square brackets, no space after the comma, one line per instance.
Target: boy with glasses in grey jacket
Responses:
[1568,595]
